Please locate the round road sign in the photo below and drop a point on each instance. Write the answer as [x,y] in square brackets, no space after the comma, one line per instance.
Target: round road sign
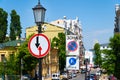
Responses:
[72,61]
[72,46]
[39,45]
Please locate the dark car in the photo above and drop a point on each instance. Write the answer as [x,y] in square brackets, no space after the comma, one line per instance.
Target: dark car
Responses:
[94,76]
[69,76]
[91,77]
[83,71]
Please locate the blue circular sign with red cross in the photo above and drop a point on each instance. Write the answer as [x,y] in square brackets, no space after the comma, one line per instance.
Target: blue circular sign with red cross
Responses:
[72,46]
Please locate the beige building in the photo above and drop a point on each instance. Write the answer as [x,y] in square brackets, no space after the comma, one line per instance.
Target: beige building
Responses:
[50,63]
[49,30]
[9,48]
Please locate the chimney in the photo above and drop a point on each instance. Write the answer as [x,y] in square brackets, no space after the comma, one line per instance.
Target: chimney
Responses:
[17,37]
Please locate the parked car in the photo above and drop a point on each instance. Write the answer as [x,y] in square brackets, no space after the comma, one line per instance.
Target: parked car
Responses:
[74,75]
[64,76]
[90,78]
[98,73]
[83,71]
[95,66]
[55,76]
[94,76]
[70,76]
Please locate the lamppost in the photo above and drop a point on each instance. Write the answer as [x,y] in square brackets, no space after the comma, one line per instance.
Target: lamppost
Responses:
[39,15]
[86,68]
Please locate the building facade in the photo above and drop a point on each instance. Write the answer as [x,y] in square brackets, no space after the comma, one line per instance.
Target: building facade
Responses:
[117,19]
[9,48]
[50,63]
[73,27]
[51,30]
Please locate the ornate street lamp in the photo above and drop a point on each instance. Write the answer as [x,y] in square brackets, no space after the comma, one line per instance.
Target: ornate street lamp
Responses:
[39,16]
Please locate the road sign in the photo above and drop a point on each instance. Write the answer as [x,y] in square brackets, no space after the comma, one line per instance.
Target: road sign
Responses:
[39,45]
[72,45]
[72,63]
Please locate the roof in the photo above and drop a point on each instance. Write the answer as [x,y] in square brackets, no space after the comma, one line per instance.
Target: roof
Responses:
[10,43]
[105,44]
[44,24]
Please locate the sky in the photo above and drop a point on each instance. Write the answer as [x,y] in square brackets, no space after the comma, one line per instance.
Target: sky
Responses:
[96,16]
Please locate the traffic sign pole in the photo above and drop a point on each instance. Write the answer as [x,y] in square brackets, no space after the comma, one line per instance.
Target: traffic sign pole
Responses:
[39,46]
[40,59]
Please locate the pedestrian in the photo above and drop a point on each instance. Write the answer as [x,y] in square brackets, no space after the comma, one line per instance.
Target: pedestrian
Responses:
[112,77]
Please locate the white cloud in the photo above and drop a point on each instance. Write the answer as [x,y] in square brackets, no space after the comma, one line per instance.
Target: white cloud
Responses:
[102,36]
[102,32]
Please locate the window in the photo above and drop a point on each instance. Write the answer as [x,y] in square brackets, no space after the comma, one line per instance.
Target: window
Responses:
[2,57]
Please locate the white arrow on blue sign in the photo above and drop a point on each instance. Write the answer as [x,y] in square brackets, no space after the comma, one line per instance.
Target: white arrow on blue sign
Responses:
[72,63]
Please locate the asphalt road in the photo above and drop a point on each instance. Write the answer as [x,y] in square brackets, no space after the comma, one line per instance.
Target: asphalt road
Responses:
[79,77]
[82,76]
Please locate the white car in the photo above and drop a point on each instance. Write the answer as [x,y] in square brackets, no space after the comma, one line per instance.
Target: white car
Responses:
[55,76]
[98,73]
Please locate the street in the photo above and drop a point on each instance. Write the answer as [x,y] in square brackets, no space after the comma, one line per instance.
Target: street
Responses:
[82,76]
[79,77]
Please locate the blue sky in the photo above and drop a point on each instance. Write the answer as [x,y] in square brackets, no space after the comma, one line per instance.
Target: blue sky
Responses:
[96,16]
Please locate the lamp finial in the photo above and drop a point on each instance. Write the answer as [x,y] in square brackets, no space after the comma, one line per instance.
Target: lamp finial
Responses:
[38,1]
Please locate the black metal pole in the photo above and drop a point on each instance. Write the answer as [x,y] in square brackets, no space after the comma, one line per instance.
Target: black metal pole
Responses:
[86,69]
[40,68]
[40,59]
[4,72]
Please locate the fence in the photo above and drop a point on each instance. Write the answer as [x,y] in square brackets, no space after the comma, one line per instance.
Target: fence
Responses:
[10,77]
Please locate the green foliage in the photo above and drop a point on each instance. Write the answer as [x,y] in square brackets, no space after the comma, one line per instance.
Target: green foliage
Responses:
[29,62]
[1,68]
[3,24]
[115,47]
[60,44]
[7,66]
[97,59]
[15,27]
[111,60]
[108,61]
[11,65]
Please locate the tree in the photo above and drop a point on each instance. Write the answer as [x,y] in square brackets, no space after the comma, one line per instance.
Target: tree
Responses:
[59,42]
[97,59]
[15,26]
[108,61]
[29,62]
[111,62]
[115,50]
[10,65]
[3,25]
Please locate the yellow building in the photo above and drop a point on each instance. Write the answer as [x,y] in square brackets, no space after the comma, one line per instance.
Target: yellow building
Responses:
[50,63]
[49,30]
[9,48]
